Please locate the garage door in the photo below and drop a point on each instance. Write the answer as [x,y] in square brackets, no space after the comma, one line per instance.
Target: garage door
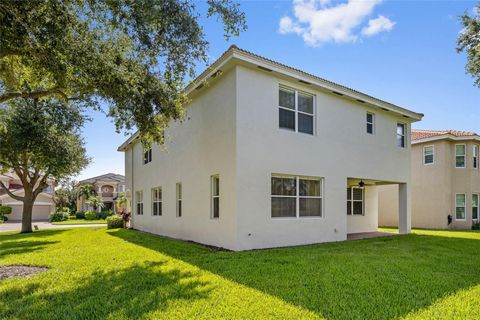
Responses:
[39,212]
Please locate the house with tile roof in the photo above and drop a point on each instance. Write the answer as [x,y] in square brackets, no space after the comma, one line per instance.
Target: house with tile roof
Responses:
[268,156]
[42,207]
[445,181]
[107,187]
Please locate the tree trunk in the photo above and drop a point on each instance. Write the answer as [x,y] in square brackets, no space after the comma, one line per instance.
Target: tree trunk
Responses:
[27,215]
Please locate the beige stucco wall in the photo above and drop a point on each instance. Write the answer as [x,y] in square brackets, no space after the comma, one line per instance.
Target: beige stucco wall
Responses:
[434,187]
[44,205]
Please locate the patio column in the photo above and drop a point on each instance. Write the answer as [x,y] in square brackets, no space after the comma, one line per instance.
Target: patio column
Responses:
[404,208]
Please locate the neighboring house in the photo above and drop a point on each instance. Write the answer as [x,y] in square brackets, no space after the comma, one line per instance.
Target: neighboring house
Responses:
[270,156]
[445,181]
[107,187]
[43,206]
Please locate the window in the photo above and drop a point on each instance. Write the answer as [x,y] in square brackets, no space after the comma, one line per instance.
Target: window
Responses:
[147,156]
[355,201]
[139,196]
[157,201]
[179,199]
[428,155]
[475,156]
[460,204]
[296,197]
[215,192]
[475,206]
[370,122]
[400,135]
[460,155]
[296,110]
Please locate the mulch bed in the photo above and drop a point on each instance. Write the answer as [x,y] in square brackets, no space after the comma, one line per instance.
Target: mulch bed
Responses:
[19,271]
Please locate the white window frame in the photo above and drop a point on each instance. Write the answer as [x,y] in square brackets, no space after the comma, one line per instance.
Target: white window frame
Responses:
[475,150]
[425,155]
[477,207]
[179,201]
[139,201]
[157,202]
[147,156]
[298,197]
[464,155]
[214,196]
[404,135]
[352,201]
[465,207]
[372,123]
[296,111]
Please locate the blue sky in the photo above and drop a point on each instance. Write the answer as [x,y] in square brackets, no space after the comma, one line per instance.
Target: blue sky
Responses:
[399,51]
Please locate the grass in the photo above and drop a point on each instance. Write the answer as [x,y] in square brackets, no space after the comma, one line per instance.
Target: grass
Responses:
[123,274]
[79,221]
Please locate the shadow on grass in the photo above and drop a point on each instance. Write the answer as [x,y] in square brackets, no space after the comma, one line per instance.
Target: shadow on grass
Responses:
[19,243]
[20,247]
[383,278]
[127,293]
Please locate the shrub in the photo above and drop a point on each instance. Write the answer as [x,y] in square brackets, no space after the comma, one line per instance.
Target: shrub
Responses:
[4,210]
[104,214]
[114,221]
[476,226]
[58,216]
[80,215]
[90,215]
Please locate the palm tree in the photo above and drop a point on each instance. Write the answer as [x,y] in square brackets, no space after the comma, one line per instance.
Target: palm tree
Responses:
[95,202]
[87,190]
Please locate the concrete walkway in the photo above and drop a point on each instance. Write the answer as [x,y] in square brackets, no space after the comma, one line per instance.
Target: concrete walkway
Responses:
[42,225]
[369,235]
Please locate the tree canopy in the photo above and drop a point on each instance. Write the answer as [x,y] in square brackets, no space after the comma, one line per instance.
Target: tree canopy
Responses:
[132,55]
[469,41]
[40,140]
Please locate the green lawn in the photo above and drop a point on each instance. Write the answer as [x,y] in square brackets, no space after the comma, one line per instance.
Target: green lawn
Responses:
[120,274]
[80,221]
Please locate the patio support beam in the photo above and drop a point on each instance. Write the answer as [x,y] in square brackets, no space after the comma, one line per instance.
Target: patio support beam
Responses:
[404,208]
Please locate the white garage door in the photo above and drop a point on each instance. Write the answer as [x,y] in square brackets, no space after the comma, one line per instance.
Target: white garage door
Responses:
[39,212]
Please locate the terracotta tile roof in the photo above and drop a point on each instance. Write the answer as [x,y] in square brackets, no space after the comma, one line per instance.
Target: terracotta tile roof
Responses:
[424,134]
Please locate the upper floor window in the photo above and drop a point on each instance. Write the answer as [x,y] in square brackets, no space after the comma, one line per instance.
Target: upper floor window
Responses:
[179,199]
[157,201]
[296,197]
[139,196]
[460,155]
[475,156]
[215,202]
[460,206]
[428,156]
[355,197]
[370,123]
[147,156]
[401,135]
[296,110]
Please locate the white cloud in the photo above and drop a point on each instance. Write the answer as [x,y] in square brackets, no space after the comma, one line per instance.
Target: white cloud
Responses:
[378,25]
[319,21]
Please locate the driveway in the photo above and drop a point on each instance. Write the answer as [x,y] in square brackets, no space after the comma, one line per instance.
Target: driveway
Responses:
[42,225]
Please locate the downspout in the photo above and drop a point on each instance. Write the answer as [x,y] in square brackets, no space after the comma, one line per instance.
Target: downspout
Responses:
[133,190]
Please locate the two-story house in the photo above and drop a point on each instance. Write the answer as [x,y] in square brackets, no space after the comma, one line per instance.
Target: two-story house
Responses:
[270,156]
[445,181]
[107,187]
[43,206]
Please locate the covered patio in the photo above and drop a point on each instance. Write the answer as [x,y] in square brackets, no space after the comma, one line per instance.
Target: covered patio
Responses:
[363,208]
